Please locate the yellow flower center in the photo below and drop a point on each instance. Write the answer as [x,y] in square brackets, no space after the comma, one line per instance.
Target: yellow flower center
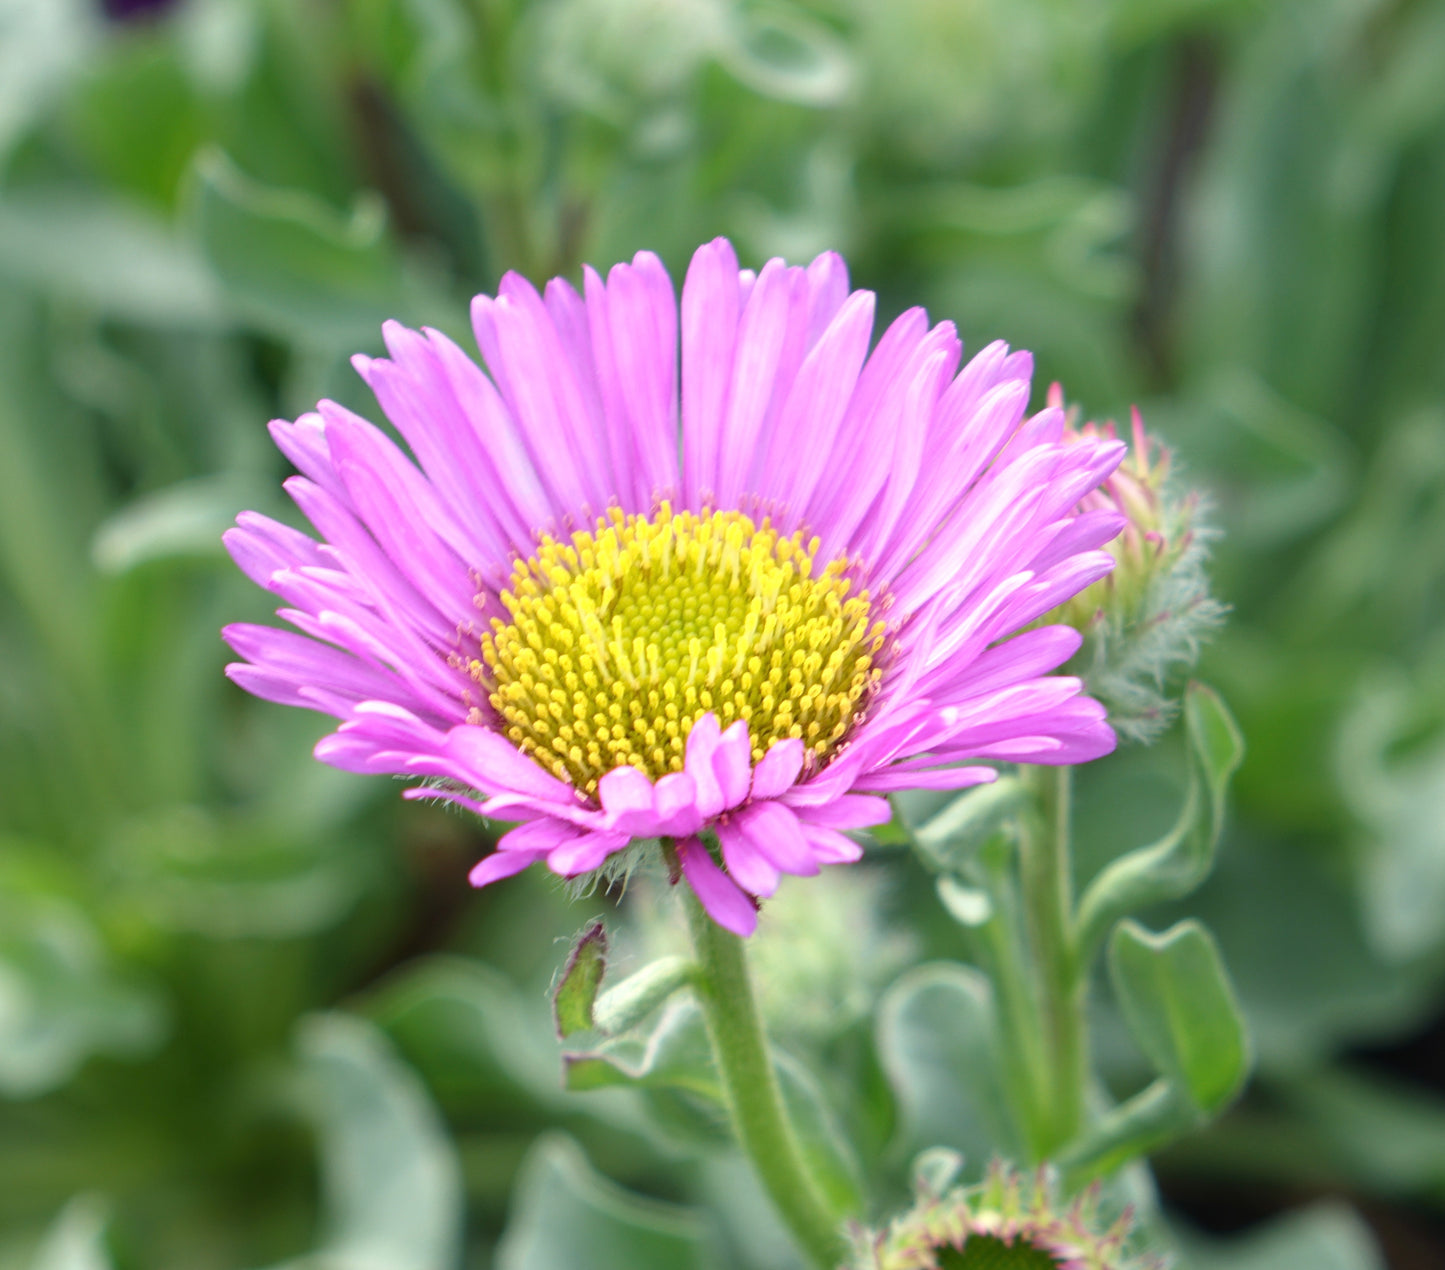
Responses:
[623,637]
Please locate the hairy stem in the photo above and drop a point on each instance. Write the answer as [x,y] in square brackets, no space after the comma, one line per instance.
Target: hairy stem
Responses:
[1048,895]
[999,949]
[759,1118]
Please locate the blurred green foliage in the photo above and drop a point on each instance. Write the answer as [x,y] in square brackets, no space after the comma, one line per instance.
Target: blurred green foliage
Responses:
[251,1015]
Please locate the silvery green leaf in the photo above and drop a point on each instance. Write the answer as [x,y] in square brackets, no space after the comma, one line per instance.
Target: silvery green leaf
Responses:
[952,835]
[110,256]
[292,265]
[76,1239]
[184,520]
[1181,860]
[1400,800]
[565,1214]
[937,1043]
[1181,1008]
[967,905]
[61,998]
[391,1183]
[1324,1236]
[627,1003]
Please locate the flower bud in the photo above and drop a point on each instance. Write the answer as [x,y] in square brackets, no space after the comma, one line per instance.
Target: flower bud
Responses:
[1004,1223]
[1146,619]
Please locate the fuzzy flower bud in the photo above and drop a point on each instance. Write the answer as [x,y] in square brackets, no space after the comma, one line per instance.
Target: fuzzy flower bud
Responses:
[1004,1223]
[1147,618]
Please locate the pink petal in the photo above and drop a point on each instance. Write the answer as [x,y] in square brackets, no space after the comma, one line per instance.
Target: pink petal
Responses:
[790,465]
[539,835]
[866,435]
[911,431]
[828,291]
[1024,656]
[291,662]
[710,307]
[491,763]
[850,811]
[889,780]
[702,741]
[582,855]
[633,322]
[778,768]
[501,864]
[716,892]
[771,336]
[773,830]
[261,546]
[747,865]
[676,800]
[304,443]
[525,355]
[831,847]
[627,799]
[732,762]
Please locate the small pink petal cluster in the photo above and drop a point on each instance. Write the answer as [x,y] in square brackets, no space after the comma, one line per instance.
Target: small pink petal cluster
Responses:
[958,514]
[1157,530]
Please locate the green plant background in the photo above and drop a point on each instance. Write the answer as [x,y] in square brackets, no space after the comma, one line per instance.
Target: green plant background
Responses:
[250,1013]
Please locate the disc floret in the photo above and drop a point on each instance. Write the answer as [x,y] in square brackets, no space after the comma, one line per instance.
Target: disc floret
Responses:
[1007,1222]
[621,637]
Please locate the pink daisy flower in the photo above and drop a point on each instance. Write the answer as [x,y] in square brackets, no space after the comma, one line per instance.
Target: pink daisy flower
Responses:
[732,617]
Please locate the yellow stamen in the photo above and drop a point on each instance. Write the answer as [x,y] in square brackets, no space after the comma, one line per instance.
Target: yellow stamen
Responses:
[623,637]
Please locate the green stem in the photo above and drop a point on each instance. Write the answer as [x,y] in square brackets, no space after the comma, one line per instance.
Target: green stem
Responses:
[760,1120]
[998,947]
[1048,894]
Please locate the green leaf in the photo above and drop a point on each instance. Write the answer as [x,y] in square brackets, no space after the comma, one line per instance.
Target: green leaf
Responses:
[1180,1006]
[829,1157]
[190,870]
[1385,1134]
[788,56]
[465,1027]
[1397,792]
[291,264]
[576,990]
[44,46]
[937,1043]
[137,117]
[60,999]
[76,1239]
[109,256]
[182,521]
[626,1004]
[1182,859]
[1151,1119]
[951,837]
[967,905]
[391,1181]
[1289,923]
[1328,1236]
[564,1215]
[669,1066]
[674,1054]
[675,1058]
